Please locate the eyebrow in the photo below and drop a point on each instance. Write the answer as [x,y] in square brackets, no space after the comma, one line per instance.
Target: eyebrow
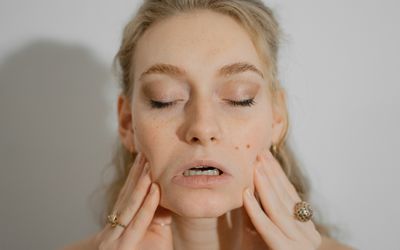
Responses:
[226,70]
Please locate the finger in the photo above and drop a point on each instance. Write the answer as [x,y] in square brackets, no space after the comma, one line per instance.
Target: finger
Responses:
[272,204]
[162,217]
[250,236]
[138,226]
[137,167]
[277,171]
[287,193]
[134,172]
[268,231]
[133,201]
[276,178]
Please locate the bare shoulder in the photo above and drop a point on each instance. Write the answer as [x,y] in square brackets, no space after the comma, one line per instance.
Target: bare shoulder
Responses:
[332,244]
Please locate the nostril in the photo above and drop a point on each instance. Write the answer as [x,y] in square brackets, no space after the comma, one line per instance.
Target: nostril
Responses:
[196,139]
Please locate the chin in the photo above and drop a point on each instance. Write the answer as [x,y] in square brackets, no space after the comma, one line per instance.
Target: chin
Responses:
[202,203]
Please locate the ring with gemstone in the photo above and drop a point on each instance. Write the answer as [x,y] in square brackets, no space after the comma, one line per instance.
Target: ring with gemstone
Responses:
[303,211]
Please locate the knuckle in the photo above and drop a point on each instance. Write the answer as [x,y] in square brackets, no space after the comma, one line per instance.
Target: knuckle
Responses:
[105,245]
[130,208]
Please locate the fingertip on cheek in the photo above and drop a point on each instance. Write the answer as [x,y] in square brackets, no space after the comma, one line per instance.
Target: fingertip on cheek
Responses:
[246,196]
[269,155]
[248,192]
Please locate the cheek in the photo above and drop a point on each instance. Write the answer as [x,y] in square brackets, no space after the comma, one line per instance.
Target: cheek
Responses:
[155,141]
[253,139]
[145,137]
[151,139]
[255,133]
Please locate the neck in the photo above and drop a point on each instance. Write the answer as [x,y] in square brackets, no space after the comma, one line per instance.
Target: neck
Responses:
[221,233]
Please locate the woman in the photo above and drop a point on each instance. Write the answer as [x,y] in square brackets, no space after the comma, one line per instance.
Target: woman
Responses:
[204,119]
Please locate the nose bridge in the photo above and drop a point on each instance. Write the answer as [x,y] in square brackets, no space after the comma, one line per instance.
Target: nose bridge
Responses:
[202,121]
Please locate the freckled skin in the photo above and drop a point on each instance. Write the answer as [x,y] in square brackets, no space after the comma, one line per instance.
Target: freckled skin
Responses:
[200,44]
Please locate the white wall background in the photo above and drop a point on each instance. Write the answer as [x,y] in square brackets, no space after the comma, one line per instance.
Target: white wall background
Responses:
[58,122]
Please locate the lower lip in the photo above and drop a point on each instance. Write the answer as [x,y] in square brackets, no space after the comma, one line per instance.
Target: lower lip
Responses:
[201,181]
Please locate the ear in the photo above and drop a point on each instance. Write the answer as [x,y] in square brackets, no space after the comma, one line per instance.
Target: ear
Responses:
[125,128]
[279,115]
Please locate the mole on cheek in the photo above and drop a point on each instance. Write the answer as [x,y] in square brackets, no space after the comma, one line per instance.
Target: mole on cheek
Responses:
[237,148]
[248,146]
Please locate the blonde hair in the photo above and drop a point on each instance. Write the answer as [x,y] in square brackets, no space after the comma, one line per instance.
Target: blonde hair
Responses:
[261,24]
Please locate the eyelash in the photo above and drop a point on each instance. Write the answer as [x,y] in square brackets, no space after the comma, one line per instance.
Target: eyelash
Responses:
[161,105]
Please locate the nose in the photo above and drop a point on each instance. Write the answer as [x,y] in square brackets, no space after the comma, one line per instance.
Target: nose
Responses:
[202,124]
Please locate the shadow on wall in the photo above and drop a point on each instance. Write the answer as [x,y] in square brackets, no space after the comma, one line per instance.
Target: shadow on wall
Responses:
[54,143]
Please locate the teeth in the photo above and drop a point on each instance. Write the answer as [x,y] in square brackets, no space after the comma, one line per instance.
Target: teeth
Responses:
[200,167]
[190,172]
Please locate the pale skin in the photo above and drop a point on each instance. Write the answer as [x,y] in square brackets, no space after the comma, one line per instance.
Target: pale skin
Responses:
[202,122]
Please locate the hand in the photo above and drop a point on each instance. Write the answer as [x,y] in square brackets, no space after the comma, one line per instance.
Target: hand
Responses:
[147,224]
[273,217]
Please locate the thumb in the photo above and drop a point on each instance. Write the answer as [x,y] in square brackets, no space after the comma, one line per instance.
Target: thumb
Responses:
[162,216]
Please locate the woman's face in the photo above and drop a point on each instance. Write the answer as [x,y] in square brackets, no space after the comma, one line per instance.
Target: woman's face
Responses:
[202,122]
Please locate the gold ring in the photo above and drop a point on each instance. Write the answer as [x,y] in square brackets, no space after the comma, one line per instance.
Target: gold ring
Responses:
[303,211]
[113,220]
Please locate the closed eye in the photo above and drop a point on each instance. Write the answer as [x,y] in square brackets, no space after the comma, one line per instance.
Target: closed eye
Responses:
[248,102]
[161,105]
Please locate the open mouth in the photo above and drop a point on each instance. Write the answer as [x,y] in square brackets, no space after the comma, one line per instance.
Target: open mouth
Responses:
[203,174]
[203,170]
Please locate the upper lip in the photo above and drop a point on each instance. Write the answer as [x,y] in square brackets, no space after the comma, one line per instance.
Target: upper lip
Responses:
[203,162]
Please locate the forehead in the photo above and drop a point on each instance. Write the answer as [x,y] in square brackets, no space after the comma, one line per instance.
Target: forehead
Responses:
[199,42]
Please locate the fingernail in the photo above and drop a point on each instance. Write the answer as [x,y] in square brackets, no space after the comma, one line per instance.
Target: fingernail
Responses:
[137,158]
[248,192]
[146,169]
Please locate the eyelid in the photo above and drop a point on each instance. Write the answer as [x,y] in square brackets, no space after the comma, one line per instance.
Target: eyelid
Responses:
[160,105]
[244,103]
